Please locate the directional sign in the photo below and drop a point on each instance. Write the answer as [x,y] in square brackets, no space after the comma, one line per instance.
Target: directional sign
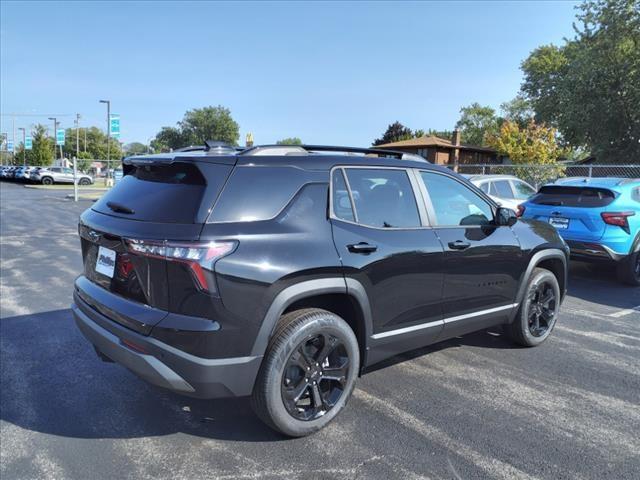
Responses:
[28,143]
[60,136]
[114,125]
[9,146]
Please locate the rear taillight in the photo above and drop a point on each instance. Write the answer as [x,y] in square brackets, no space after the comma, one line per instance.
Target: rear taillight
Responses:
[520,212]
[620,219]
[197,255]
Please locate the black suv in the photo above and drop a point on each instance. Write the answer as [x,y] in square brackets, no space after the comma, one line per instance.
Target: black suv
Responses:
[284,272]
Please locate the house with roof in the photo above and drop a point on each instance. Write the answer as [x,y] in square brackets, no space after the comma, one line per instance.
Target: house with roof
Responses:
[441,151]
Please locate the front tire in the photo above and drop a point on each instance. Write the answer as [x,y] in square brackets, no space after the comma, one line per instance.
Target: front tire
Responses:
[629,269]
[538,312]
[84,181]
[308,372]
[47,181]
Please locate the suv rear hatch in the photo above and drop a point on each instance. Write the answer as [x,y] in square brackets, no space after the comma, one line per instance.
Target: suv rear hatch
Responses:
[146,229]
[573,210]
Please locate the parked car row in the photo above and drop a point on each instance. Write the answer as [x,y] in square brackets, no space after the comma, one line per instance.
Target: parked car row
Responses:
[599,218]
[43,175]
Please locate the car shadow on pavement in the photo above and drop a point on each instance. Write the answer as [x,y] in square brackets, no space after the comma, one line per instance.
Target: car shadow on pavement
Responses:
[492,338]
[598,283]
[53,382]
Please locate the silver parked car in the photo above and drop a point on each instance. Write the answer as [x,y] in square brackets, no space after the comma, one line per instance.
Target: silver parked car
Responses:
[51,175]
[507,190]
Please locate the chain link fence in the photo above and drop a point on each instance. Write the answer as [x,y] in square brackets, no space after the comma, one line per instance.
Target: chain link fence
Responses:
[538,175]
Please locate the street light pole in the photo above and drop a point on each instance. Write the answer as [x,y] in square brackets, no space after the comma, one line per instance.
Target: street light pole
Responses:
[24,142]
[77,135]
[55,133]
[108,102]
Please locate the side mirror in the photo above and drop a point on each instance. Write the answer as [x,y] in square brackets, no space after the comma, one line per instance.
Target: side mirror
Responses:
[505,217]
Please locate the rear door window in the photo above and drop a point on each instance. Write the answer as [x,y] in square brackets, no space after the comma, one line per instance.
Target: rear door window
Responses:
[341,200]
[383,198]
[165,193]
[523,190]
[501,189]
[569,196]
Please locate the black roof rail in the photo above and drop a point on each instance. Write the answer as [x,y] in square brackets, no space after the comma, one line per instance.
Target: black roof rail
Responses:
[190,148]
[377,151]
[329,148]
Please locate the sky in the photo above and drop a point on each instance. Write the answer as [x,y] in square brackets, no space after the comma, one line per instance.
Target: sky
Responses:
[334,73]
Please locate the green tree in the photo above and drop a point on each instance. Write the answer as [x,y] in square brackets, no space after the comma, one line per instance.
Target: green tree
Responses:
[476,123]
[589,88]
[518,110]
[42,148]
[197,126]
[394,133]
[96,144]
[533,144]
[168,138]
[289,141]
[448,134]
[135,148]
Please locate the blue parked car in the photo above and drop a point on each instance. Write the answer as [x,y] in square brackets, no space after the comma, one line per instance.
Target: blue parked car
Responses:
[599,218]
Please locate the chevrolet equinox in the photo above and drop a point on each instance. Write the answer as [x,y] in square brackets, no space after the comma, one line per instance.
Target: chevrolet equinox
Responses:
[283,272]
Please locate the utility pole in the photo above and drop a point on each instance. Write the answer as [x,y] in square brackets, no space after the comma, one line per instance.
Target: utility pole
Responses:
[24,142]
[13,126]
[85,139]
[55,133]
[108,102]
[77,135]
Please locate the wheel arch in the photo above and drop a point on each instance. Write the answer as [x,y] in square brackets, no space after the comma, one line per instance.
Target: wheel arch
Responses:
[552,259]
[347,299]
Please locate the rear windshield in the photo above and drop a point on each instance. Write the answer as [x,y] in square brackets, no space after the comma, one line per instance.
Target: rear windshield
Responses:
[165,193]
[560,195]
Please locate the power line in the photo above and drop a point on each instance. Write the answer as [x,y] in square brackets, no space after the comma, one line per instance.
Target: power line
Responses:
[37,114]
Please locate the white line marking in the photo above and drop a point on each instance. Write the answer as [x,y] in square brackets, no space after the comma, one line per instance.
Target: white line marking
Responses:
[625,312]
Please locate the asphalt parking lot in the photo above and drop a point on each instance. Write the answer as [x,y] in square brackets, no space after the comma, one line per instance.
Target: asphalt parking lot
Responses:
[472,407]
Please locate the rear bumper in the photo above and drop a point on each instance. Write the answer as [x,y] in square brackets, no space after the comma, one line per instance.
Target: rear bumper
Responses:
[164,365]
[593,251]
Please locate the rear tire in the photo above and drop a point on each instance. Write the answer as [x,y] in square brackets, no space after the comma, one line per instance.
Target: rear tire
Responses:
[629,269]
[47,181]
[308,372]
[538,311]
[84,181]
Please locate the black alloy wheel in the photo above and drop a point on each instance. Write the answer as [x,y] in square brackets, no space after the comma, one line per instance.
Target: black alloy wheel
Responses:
[538,310]
[542,308]
[314,377]
[308,372]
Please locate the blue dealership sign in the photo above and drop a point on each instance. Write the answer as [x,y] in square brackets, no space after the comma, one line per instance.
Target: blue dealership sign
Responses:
[28,143]
[60,136]
[114,125]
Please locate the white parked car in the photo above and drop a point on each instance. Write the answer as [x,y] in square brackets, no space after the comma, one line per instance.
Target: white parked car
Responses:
[51,175]
[507,190]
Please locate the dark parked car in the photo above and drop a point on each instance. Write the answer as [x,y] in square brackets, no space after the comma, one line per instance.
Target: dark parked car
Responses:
[284,272]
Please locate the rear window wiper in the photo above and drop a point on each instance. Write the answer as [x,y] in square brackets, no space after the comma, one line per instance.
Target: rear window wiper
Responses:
[117,207]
